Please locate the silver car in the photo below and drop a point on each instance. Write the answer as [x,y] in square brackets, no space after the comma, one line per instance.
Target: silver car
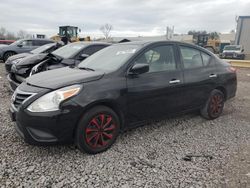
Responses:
[21,46]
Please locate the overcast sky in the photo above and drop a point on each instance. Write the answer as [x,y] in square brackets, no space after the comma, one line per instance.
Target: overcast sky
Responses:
[128,17]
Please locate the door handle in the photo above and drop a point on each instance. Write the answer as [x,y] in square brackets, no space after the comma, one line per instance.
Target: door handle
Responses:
[212,76]
[174,81]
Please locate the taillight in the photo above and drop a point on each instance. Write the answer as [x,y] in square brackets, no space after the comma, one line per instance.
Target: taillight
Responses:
[231,69]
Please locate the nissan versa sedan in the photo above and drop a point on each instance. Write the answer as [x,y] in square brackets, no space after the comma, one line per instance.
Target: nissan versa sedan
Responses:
[119,87]
[69,55]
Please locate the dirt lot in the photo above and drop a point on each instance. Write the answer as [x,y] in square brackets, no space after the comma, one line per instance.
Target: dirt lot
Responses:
[154,155]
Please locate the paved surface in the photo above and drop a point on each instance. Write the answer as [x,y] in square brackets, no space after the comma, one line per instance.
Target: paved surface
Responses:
[185,151]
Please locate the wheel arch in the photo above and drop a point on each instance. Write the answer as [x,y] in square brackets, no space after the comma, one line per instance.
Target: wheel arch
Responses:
[8,52]
[223,90]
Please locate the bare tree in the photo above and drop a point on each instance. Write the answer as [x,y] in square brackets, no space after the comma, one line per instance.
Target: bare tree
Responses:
[21,34]
[106,29]
[2,32]
[10,36]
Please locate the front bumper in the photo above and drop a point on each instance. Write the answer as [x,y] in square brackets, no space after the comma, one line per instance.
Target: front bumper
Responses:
[232,55]
[47,127]
[13,82]
[8,67]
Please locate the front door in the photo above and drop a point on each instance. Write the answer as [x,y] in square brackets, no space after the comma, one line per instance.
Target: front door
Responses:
[158,92]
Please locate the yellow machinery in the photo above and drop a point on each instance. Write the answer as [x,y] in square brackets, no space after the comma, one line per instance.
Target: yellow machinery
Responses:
[71,32]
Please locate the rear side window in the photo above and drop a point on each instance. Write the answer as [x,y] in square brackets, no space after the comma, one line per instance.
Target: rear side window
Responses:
[193,58]
[40,42]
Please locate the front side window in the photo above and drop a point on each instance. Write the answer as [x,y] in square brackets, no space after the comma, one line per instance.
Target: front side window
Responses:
[159,58]
[27,43]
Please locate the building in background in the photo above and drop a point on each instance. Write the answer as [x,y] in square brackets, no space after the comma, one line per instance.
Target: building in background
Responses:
[243,34]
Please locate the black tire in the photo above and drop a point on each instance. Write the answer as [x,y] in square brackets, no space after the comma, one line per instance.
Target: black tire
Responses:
[97,130]
[7,55]
[214,105]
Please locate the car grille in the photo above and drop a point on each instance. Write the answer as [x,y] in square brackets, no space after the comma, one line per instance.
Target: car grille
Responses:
[19,97]
[8,67]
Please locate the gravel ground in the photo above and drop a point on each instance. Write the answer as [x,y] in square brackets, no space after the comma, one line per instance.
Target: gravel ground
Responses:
[185,151]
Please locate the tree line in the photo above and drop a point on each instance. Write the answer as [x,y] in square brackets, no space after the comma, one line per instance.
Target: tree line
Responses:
[8,35]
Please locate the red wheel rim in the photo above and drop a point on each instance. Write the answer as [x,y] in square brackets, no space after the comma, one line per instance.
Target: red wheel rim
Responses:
[100,131]
[216,105]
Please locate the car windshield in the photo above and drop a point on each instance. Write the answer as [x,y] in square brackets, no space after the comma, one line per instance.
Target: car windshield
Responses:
[17,42]
[42,49]
[109,59]
[232,48]
[69,50]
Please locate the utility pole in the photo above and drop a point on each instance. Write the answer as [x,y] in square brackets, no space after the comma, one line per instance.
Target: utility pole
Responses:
[169,33]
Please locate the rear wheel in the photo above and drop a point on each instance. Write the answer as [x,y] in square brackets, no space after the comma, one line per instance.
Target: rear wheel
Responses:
[214,105]
[97,130]
[7,55]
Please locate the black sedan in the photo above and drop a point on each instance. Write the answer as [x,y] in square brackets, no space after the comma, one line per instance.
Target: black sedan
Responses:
[69,55]
[120,87]
[38,52]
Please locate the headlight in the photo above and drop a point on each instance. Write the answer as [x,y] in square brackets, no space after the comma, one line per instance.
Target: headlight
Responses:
[52,100]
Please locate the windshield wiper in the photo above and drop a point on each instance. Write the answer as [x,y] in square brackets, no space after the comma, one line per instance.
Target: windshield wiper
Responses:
[86,68]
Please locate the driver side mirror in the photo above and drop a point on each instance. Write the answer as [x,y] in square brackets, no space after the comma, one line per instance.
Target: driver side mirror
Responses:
[83,56]
[20,45]
[139,69]
[242,50]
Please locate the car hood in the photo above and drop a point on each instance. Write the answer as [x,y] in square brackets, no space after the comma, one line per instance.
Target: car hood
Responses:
[58,78]
[18,56]
[31,59]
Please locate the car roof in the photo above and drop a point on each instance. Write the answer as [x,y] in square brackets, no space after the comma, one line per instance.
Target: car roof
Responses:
[38,39]
[88,43]
[145,43]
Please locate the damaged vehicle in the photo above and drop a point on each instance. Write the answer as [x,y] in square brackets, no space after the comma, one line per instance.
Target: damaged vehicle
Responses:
[38,52]
[69,55]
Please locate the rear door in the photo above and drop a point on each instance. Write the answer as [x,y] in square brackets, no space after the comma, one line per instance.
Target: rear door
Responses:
[199,75]
[158,92]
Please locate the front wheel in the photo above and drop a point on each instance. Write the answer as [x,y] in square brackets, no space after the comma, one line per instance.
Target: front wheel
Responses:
[214,105]
[97,130]
[7,55]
